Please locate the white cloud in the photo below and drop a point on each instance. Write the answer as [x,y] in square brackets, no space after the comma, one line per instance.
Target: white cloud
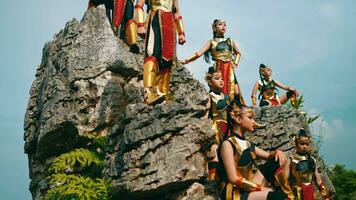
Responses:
[330,11]
[326,129]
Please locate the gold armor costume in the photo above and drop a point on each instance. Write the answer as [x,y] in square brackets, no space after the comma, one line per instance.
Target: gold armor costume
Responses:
[218,113]
[222,53]
[161,28]
[268,92]
[303,168]
[244,154]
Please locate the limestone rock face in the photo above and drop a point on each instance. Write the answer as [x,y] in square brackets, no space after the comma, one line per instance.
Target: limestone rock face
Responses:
[89,84]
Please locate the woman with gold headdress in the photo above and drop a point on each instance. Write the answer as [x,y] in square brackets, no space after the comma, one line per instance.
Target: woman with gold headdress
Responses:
[236,157]
[268,87]
[163,21]
[225,53]
[120,14]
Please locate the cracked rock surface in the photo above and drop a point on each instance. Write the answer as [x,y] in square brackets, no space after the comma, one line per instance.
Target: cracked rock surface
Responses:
[89,84]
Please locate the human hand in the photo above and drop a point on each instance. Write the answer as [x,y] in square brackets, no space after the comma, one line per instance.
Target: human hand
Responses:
[181,39]
[141,31]
[183,61]
[281,157]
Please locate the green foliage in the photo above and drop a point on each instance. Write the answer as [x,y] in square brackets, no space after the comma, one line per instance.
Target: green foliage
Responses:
[76,160]
[312,119]
[344,182]
[77,187]
[75,176]
[299,103]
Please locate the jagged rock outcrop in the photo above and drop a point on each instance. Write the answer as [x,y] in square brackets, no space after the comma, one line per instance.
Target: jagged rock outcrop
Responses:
[89,84]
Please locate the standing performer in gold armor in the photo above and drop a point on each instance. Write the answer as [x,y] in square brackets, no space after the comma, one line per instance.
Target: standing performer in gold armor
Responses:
[304,170]
[120,14]
[237,156]
[225,53]
[162,23]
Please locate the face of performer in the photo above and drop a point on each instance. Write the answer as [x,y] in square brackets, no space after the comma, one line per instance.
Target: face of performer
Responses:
[302,145]
[266,72]
[217,82]
[220,28]
[246,120]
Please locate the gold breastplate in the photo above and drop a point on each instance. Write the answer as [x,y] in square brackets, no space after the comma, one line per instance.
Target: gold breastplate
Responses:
[165,5]
[217,114]
[303,169]
[221,49]
[240,146]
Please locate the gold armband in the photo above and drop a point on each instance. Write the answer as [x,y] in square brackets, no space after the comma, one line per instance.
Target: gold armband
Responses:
[140,15]
[323,191]
[247,185]
[191,58]
[179,25]
[254,101]
[237,59]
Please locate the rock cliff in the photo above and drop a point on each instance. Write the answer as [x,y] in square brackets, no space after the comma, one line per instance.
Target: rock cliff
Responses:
[89,84]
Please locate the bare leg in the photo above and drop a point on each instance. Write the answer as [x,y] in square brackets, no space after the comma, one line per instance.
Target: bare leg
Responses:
[283,98]
[259,195]
[259,178]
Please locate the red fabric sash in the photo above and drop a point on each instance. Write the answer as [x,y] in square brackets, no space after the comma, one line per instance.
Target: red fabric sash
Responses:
[274,102]
[119,9]
[308,192]
[225,68]
[168,35]
[223,129]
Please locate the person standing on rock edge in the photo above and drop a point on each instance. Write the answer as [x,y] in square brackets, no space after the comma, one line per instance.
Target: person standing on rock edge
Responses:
[225,53]
[267,87]
[121,14]
[218,105]
[304,170]
[162,22]
[237,157]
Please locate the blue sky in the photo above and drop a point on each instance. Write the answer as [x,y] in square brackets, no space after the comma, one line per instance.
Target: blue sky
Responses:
[309,44]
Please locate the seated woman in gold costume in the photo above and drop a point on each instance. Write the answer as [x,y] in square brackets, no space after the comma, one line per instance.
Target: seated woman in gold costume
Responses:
[268,87]
[237,156]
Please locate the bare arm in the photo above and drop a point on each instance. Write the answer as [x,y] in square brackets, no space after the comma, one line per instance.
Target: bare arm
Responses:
[237,53]
[253,94]
[319,182]
[179,23]
[278,155]
[197,54]
[284,87]
[227,154]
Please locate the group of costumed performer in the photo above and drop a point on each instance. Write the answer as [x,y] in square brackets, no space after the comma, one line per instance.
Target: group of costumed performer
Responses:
[234,156]
[225,53]
[121,16]
[268,90]
[162,24]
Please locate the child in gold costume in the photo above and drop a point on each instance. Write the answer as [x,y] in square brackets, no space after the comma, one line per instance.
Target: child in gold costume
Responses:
[218,105]
[304,170]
